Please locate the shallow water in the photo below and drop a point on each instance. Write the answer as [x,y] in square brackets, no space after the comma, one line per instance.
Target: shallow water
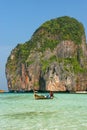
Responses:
[23,112]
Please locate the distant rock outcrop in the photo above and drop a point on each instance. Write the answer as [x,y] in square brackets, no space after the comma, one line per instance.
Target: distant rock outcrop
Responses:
[2,91]
[55,58]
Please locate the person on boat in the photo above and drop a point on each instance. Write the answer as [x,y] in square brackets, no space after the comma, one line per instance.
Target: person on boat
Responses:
[51,94]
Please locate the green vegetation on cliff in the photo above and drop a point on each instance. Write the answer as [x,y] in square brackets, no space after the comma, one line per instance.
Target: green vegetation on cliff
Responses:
[48,35]
[66,28]
[51,33]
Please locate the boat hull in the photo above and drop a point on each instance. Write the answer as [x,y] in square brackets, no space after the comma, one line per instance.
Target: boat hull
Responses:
[41,97]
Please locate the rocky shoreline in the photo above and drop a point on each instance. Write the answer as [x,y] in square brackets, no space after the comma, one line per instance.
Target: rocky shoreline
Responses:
[39,91]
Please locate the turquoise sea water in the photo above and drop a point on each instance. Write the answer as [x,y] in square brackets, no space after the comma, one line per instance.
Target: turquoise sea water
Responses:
[23,112]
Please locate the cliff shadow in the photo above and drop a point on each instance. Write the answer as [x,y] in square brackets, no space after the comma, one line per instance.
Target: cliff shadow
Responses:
[42,84]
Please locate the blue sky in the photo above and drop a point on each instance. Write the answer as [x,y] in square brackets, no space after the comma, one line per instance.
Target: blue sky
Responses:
[20,18]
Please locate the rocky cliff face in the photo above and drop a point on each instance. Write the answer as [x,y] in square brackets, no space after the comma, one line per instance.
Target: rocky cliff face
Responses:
[54,59]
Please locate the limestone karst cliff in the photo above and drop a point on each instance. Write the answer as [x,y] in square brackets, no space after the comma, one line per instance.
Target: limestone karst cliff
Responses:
[55,58]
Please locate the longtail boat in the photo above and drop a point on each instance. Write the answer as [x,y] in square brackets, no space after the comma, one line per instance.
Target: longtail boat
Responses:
[37,96]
